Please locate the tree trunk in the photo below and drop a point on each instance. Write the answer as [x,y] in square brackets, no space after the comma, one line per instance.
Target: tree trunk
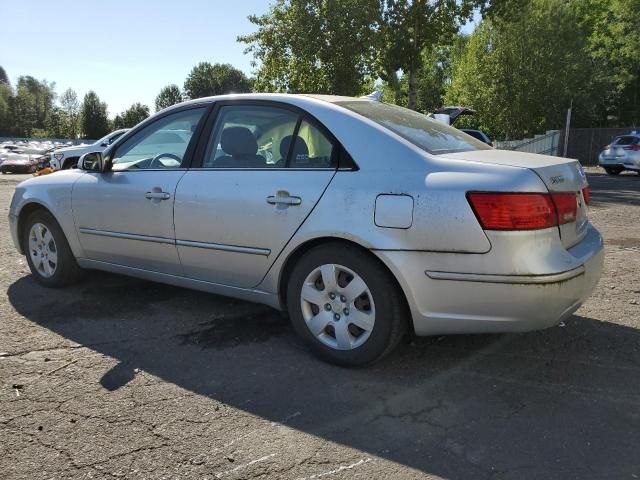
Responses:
[413,89]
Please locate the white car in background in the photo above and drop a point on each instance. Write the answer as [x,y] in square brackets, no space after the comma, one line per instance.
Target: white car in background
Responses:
[66,158]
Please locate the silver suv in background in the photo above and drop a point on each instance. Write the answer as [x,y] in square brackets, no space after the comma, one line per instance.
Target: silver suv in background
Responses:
[622,154]
[66,158]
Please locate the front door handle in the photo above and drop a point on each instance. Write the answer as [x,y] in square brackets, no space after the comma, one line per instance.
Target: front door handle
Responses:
[282,197]
[157,196]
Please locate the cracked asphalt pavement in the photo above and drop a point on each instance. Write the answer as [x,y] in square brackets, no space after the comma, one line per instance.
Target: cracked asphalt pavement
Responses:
[117,377]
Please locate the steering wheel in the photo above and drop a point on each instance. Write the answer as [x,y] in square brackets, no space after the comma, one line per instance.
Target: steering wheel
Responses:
[156,163]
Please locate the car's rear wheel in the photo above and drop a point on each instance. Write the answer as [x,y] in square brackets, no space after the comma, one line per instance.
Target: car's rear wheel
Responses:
[48,253]
[613,170]
[345,305]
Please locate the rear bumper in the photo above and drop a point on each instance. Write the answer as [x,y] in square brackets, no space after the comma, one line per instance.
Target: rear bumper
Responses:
[452,302]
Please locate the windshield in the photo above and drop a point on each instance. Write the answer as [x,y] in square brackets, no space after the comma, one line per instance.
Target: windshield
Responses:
[110,138]
[430,135]
[626,140]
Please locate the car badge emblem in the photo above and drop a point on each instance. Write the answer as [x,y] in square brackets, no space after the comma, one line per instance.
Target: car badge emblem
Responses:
[557,179]
[58,156]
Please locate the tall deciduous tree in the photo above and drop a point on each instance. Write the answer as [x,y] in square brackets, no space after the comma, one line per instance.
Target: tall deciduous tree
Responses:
[407,29]
[132,116]
[169,95]
[614,45]
[95,123]
[206,80]
[70,113]
[314,46]
[3,76]
[521,74]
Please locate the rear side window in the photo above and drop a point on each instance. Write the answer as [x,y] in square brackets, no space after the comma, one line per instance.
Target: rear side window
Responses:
[257,137]
[250,137]
[312,148]
[428,134]
[626,140]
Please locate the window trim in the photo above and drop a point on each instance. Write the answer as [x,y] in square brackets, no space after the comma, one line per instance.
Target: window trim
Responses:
[206,137]
[189,152]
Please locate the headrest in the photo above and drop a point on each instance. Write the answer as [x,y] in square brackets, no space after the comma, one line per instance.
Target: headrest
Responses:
[299,148]
[238,141]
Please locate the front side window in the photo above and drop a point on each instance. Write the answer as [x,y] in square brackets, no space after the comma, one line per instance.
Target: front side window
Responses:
[160,145]
[428,134]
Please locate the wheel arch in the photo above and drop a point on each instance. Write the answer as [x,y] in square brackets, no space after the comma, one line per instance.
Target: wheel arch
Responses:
[27,210]
[303,248]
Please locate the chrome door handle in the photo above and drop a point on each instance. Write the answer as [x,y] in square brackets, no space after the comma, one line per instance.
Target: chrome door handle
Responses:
[157,195]
[282,197]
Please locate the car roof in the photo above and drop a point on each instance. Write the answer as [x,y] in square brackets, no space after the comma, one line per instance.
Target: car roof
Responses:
[293,98]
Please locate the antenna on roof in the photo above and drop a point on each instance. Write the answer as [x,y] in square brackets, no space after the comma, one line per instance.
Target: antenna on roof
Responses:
[375,96]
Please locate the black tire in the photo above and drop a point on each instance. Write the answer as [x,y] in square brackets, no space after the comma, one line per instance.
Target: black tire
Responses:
[69,163]
[67,270]
[613,171]
[391,313]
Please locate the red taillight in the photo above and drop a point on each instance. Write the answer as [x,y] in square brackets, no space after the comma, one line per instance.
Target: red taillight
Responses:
[513,211]
[566,206]
[586,194]
[523,211]
[633,148]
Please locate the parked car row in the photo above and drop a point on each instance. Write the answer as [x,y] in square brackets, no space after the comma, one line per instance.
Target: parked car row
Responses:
[23,156]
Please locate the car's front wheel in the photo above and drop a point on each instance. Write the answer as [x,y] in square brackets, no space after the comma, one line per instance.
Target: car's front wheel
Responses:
[346,305]
[48,253]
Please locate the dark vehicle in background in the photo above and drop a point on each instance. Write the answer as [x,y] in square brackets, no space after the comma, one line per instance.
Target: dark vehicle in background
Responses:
[455,112]
[478,135]
[622,154]
[19,163]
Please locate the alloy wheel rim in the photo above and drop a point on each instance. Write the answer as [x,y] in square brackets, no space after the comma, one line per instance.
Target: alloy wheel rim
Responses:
[337,307]
[43,250]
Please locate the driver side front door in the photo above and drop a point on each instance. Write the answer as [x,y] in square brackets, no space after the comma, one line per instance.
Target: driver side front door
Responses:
[125,216]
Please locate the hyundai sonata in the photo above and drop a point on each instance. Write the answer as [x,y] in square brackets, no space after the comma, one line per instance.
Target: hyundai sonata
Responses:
[364,222]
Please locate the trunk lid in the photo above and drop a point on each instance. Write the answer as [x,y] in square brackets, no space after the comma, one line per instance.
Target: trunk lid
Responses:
[558,174]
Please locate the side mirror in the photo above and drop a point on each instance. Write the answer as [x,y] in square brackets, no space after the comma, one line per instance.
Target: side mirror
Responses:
[91,162]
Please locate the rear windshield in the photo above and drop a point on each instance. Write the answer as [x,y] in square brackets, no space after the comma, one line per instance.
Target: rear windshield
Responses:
[626,140]
[430,135]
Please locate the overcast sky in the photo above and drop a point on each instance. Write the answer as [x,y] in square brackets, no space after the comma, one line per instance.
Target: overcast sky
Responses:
[123,50]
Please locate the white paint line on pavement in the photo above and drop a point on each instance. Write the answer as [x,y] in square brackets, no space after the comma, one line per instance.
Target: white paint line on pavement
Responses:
[341,468]
[240,467]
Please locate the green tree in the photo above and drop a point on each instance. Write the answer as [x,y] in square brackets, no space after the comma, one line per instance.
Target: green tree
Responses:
[206,80]
[95,123]
[614,46]
[169,95]
[3,76]
[70,113]
[408,29]
[6,114]
[314,46]
[522,73]
[131,117]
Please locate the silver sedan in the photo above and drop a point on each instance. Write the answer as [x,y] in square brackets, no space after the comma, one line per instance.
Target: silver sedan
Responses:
[364,222]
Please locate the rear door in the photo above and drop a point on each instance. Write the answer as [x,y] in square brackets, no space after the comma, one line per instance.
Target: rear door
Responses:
[262,171]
